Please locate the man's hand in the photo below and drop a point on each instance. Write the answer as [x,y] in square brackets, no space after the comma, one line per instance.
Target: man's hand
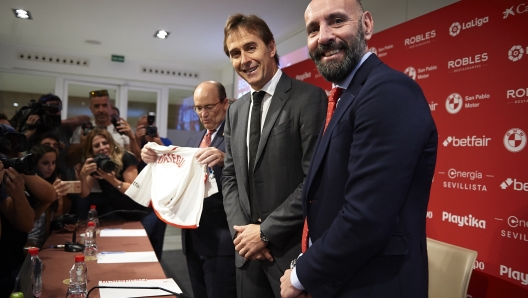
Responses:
[248,242]
[210,156]
[148,155]
[288,290]
[14,183]
[31,121]
[264,254]
[125,128]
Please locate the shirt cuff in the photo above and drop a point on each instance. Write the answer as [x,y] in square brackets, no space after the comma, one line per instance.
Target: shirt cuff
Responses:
[295,281]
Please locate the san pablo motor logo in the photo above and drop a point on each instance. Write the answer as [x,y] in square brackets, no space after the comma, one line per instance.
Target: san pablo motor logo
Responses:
[454,103]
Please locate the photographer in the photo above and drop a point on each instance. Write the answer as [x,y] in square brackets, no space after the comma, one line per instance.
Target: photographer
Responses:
[113,168]
[44,115]
[46,161]
[17,210]
[119,129]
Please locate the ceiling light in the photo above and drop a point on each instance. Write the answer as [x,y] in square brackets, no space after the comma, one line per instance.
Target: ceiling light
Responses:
[161,34]
[15,104]
[22,14]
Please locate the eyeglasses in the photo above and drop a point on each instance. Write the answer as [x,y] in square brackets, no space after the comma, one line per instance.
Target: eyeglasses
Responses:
[98,93]
[208,108]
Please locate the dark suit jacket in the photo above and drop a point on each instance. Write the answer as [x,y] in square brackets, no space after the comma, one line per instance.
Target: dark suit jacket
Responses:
[212,237]
[367,191]
[294,118]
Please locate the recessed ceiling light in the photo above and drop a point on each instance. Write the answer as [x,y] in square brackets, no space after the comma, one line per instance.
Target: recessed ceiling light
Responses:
[161,34]
[22,14]
[15,104]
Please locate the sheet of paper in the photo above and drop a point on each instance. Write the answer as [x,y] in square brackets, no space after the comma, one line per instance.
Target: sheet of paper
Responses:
[111,257]
[168,284]
[123,233]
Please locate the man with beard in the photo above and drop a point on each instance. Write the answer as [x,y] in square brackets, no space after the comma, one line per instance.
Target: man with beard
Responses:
[366,193]
[270,134]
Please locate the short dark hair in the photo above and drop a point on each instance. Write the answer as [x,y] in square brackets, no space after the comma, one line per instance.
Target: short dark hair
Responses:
[117,110]
[48,135]
[221,91]
[252,24]
[3,117]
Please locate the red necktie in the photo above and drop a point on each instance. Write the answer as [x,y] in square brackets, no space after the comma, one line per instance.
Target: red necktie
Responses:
[206,142]
[332,100]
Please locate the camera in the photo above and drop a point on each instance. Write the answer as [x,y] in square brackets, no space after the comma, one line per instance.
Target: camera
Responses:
[104,163]
[65,219]
[47,112]
[152,131]
[24,165]
[11,141]
[86,127]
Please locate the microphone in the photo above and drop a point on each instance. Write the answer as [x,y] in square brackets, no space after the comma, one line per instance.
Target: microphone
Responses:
[179,295]
[75,246]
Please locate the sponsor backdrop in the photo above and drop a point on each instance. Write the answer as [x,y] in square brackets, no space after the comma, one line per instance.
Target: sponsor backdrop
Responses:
[471,59]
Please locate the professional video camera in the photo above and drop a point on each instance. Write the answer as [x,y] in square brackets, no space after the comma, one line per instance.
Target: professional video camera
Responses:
[104,163]
[24,165]
[46,108]
[152,131]
[10,143]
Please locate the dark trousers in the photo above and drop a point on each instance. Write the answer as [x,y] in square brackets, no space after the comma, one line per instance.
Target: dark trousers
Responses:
[155,229]
[211,276]
[258,279]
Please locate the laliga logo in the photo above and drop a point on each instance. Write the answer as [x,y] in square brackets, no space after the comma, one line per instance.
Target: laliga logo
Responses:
[454,103]
[514,140]
[411,72]
[454,29]
[515,53]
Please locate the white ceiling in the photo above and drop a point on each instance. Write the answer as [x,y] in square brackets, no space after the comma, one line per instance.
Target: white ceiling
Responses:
[127,27]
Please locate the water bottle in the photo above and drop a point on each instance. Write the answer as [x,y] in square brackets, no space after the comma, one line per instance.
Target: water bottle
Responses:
[36,273]
[78,279]
[92,216]
[90,244]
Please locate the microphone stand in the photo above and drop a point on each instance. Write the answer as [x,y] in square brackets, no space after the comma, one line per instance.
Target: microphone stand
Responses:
[75,246]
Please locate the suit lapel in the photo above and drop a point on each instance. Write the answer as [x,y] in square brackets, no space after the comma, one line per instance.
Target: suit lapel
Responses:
[241,116]
[277,103]
[344,103]
[219,137]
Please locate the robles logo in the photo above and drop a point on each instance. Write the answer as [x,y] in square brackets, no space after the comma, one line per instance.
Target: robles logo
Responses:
[514,140]
[455,28]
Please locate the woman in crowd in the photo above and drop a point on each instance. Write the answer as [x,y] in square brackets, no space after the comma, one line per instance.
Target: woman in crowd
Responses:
[46,167]
[106,189]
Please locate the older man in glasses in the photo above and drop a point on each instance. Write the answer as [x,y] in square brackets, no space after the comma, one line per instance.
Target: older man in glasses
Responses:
[209,249]
[101,109]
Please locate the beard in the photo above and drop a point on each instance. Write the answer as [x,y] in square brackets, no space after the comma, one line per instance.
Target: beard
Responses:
[336,71]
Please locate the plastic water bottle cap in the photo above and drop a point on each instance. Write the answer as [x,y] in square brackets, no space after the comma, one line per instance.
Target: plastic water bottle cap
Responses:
[92,206]
[33,251]
[79,258]
[91,224]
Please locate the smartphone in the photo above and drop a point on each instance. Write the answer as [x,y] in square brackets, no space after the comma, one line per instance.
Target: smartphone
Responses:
[73,186]
[114,120]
